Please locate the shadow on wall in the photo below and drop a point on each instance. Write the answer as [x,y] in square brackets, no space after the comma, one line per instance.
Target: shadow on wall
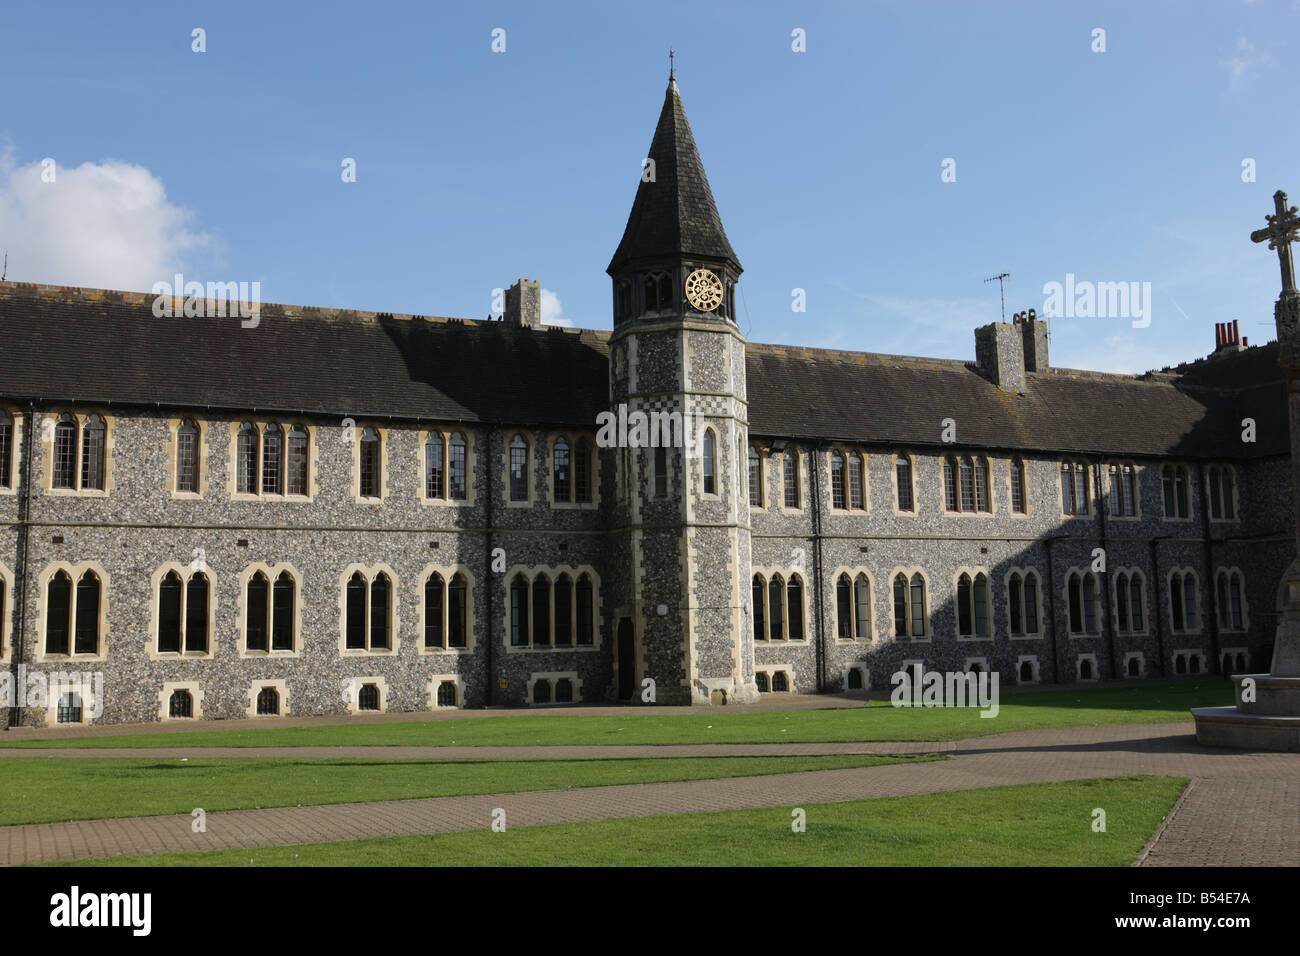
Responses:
[1076,642]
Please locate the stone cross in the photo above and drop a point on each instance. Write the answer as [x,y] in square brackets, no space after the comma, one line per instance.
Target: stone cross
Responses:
[1282,230]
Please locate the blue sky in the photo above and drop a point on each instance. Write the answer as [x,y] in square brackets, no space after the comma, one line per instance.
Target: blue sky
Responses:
[475,168]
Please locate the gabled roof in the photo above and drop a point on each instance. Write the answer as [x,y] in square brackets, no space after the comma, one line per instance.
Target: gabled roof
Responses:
[674,214]
[89,346]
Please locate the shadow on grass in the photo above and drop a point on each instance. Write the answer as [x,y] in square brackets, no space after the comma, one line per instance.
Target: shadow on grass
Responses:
[1176,744]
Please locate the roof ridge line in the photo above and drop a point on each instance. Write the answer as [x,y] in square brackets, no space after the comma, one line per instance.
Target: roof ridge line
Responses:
[11,288]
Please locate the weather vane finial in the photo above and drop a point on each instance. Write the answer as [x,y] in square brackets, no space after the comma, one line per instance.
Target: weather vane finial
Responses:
[672,74]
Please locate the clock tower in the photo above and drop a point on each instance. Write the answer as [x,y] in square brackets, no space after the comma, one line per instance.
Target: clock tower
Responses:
[681,595]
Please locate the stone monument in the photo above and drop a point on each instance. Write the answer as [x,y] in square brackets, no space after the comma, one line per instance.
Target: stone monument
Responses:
[1267,715]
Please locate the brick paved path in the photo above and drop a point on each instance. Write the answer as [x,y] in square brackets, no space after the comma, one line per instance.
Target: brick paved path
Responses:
[612,752]
[773,702]
[1080,735]
[1242,809]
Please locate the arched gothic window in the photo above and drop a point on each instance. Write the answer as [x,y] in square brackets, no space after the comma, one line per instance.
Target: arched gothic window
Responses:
[790,465]
[1174,488]
[369,463]
[518,468]
[910,612]
[187,457]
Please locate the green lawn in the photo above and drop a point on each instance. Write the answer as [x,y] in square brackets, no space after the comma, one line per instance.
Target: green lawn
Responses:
[879,721]
[1041,824]
[77,788]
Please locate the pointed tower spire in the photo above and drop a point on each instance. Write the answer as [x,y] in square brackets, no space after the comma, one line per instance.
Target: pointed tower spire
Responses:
[674,213]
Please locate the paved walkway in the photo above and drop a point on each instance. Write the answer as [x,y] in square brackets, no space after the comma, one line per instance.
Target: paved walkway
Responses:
[1241,809]
[600,752]
[779,702]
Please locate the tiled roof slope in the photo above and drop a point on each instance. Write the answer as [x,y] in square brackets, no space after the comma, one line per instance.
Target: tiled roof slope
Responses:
[87,346]
[71,347]
[675,214]
[806,393]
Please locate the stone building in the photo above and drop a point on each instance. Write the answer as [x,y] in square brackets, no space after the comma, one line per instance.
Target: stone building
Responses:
[331,512]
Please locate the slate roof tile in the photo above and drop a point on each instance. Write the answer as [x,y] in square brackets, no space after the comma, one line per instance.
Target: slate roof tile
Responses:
[675,214]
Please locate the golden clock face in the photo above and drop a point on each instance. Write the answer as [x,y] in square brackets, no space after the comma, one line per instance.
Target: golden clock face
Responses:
[704,290]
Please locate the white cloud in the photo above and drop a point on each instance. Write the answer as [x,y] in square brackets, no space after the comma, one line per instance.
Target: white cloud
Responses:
[553,311]
[1243,68]
[102,225]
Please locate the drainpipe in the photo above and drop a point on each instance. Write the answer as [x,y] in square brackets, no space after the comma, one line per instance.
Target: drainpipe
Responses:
[489,634]
[1208,565]
[1107,632]
[819,650]
[20,571]
[1051,612]
[1156,616]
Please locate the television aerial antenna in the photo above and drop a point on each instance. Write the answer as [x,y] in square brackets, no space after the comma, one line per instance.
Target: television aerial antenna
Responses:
[1000,279]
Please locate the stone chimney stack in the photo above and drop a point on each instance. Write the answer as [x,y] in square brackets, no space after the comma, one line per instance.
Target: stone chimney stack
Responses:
[1005,352]
[524,305]
[1000,355]
[1034,335]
